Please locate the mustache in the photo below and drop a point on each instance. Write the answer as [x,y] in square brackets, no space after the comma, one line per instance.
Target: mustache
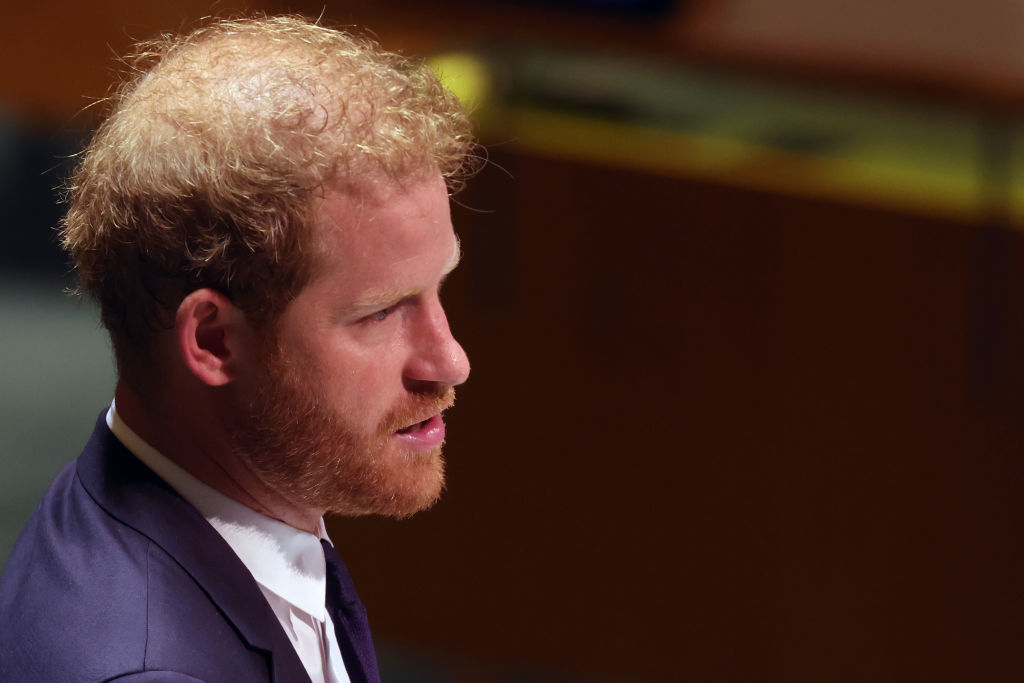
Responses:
[418,407]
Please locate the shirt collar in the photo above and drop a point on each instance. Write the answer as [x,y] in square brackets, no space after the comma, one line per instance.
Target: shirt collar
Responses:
[284,560]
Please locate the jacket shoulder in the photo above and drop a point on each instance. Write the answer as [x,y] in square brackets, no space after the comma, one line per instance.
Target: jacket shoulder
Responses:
[85,596]
[73,593]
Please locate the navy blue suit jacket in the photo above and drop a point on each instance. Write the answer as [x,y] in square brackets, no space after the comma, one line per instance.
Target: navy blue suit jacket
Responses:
[116,577]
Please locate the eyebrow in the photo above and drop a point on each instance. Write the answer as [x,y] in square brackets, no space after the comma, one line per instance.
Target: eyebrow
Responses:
[382,298]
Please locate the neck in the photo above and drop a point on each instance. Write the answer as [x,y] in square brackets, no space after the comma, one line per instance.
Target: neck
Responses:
[191,432]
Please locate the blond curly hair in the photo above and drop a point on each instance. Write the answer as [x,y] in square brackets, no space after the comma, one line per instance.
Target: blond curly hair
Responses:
[219,141]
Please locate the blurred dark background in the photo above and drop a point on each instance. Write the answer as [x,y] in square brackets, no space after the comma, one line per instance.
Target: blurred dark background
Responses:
[742,294]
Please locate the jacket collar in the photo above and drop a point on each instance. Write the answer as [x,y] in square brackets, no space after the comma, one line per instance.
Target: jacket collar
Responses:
[133,494]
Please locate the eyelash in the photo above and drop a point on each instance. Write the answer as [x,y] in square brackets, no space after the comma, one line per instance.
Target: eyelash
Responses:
[381,315]
[385,313]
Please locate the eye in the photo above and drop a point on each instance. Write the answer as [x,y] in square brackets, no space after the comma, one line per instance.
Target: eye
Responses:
[380,315]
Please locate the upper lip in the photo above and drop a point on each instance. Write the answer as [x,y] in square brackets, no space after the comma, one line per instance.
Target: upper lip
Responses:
[437,411]
[419,421]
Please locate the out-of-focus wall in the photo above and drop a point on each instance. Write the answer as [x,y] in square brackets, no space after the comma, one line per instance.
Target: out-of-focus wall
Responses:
[58,57]
[940,38]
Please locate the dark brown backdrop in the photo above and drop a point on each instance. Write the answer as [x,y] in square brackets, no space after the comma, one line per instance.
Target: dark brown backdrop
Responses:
[718,435]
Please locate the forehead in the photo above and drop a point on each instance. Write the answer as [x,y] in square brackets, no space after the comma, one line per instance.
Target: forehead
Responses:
[382,226]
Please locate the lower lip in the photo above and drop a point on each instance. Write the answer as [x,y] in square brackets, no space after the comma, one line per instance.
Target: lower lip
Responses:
[430,434]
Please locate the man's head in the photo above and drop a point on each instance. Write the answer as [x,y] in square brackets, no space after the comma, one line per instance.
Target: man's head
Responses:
[208,167]
[266,208]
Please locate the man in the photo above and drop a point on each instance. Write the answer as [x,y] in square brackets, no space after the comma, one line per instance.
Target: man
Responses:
[264,221]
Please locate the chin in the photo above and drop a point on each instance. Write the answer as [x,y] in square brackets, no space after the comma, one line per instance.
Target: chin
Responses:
[417,484]
[405,483]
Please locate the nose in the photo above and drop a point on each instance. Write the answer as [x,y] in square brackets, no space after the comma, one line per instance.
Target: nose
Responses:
[437,358]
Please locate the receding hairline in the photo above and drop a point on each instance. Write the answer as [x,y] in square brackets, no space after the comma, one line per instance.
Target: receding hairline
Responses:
[241,75]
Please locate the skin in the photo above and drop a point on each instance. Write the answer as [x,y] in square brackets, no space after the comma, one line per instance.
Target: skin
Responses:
[368,337]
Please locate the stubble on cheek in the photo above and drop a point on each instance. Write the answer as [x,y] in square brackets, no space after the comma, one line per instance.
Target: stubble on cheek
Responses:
[311,455]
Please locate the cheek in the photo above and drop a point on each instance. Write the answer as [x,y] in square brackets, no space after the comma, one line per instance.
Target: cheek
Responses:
[357,370]
[363,387]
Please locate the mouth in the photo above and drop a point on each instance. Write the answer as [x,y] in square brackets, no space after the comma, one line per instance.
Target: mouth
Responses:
[427,433]
[416,426]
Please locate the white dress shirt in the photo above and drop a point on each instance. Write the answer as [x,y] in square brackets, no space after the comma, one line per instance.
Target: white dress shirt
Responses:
[288,564]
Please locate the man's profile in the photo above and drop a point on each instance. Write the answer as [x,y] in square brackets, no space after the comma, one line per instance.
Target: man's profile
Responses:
[263,218]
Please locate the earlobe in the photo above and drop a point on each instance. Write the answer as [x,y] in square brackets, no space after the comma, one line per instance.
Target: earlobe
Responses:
[208,332]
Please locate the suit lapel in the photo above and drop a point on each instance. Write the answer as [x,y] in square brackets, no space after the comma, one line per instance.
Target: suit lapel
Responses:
[132,493]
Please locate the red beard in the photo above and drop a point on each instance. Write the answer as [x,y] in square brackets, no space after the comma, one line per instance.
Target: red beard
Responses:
[312,456]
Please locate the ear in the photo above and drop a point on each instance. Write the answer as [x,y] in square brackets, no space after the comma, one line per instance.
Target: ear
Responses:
[211,333]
